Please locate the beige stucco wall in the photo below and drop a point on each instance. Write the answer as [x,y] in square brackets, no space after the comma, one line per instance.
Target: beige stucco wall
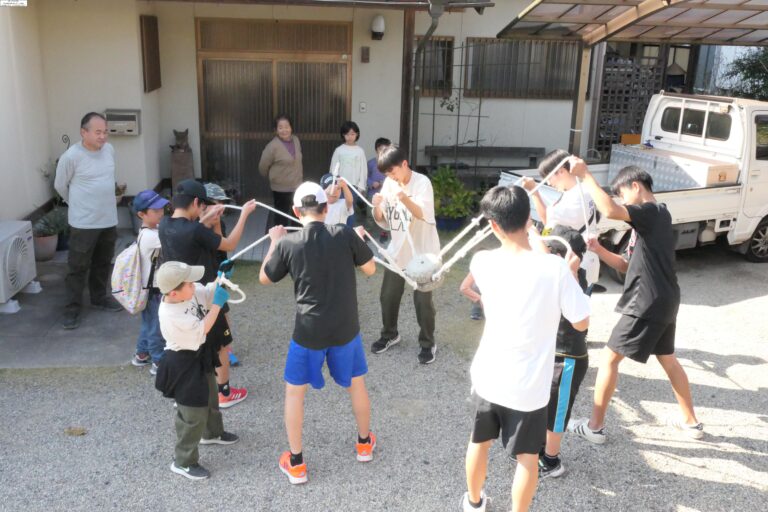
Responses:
[24,142]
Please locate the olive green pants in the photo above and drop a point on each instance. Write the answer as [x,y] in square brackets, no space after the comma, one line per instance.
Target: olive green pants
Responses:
[392,290]
[195,423]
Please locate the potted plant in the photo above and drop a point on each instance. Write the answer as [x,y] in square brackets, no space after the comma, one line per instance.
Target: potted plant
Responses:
[453,201]
[46,231]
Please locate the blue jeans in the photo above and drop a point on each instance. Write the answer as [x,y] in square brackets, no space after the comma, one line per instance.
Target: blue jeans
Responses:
[150,339]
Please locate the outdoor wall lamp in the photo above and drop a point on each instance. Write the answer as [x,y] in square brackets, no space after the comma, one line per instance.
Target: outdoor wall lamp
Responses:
[377,27]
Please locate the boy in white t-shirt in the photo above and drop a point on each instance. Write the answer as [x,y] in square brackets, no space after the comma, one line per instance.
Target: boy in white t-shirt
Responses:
[339,200]
[569,209]
[149,206]
[524,294]
[405,205]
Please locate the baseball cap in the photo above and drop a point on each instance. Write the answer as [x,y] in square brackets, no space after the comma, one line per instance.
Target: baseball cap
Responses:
[216,192]
[148,199]
[193,188]
[326,180]
[309,194]
[172,273]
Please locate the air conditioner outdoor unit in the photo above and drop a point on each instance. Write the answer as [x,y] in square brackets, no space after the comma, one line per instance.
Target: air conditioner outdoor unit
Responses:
[17,258]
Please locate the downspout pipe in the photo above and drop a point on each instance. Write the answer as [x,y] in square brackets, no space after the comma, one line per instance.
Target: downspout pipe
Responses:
[436,9]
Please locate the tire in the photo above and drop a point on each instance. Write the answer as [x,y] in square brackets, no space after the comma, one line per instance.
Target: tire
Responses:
[620,248]
[757,247]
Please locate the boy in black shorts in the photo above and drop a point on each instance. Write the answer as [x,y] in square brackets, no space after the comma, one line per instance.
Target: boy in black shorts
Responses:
[321,259]
[512,369]
[571,363]
[650,299]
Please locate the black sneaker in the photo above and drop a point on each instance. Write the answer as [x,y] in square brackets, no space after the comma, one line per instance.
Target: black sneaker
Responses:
[427,354]
[107,304]
[224,438]
[193,471]
[382,344]
[476,313]
[71,320]
[547,471]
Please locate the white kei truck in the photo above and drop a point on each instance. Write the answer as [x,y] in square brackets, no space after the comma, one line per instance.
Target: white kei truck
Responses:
[708,156]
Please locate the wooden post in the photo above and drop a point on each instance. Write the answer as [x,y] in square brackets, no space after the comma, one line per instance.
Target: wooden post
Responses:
[409,24]
[579,100]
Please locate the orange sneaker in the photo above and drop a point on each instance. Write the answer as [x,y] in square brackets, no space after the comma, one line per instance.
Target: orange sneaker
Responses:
[365,450]
[236,395]
[295,474]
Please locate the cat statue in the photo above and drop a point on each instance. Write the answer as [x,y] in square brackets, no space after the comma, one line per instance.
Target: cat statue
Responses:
[182,142]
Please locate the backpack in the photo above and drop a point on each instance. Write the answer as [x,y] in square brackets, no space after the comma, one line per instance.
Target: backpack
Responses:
[127,287]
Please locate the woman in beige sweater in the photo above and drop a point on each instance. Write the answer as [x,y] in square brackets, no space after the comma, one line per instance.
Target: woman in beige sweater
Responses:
[281,164]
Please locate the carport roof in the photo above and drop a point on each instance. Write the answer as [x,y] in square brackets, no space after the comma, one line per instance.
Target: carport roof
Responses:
[719,22]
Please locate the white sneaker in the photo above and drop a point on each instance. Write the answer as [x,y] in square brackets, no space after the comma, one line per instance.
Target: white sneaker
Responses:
[466,507]
[693,431]
[580,427]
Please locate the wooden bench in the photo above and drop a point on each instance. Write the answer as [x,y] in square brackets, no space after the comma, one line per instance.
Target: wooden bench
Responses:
[435,152]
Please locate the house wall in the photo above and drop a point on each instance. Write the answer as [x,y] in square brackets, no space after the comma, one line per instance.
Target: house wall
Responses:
[179,95]
[24,144]
[509,122]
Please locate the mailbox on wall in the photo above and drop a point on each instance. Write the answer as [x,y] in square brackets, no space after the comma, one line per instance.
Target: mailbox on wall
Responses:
[123,122]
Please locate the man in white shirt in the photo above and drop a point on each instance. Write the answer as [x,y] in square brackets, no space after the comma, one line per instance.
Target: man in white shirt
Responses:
[524,294]
[85,179]
[406,207]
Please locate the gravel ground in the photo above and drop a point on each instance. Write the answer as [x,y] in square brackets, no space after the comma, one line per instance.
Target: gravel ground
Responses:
[420,414]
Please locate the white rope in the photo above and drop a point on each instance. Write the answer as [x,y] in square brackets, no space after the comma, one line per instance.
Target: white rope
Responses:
[257,242]
[583,209]
[294,219]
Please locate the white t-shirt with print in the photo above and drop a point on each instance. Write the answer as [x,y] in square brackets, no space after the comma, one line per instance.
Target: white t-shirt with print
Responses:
[338,212]
[149,247]
[523,298]
[397,217]
[569,211]
[182,323]
[352,165]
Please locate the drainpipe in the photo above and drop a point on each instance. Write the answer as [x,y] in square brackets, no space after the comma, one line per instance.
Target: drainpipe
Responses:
[436,9]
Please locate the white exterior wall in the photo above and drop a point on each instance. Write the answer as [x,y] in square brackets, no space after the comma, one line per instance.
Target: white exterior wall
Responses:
[510,122]
[24,145]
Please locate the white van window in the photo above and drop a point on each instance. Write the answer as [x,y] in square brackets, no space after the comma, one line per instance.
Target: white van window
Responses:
[718,125]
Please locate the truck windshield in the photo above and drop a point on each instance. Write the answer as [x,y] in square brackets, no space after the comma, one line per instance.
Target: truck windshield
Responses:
[718,125]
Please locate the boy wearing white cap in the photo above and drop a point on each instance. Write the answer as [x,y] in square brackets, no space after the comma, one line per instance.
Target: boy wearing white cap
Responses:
[186,373]
[321,259]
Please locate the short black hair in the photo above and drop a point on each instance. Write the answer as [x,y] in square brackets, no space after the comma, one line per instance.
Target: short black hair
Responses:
[349,125]
[282,117]
[389,157]
[87,119]
[381,141]
[182,201]
[317,209]
[572,236]
[630,174]
[551,159]
[509,207]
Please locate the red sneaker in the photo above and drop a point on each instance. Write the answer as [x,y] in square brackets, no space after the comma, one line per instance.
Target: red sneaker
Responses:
[295,474]
[365,450]
[236,395]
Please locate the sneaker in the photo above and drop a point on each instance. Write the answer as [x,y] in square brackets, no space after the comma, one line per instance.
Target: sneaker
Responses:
[295,474]
[693,431]
[107,304]
[71,320]
[236,395]
[224,438]
[383,344]
[427,354]
[365,450]
[547,471]
[476,313]
[153,370]
[580,427]
[484,502]
[141,360]
[193,471]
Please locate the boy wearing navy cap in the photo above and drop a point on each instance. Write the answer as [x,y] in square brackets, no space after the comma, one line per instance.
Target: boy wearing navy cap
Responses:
[149,206]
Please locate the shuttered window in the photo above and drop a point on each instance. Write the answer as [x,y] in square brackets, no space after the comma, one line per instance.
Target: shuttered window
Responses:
[436,66]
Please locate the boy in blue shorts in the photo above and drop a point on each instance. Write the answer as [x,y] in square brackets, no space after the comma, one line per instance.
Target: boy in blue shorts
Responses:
[321,259]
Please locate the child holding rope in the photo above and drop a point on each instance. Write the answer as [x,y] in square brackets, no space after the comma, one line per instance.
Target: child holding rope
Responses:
[649,302]
[321,259]
[512,369]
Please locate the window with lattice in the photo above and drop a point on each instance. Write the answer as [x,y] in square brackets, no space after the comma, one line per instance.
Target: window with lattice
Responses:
[436,64]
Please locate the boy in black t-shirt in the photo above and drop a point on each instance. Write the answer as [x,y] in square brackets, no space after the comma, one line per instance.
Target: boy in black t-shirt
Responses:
[321,260]
[192,235]
[650,299]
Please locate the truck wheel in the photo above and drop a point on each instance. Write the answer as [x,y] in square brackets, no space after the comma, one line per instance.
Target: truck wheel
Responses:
[757,247]
[620,248]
